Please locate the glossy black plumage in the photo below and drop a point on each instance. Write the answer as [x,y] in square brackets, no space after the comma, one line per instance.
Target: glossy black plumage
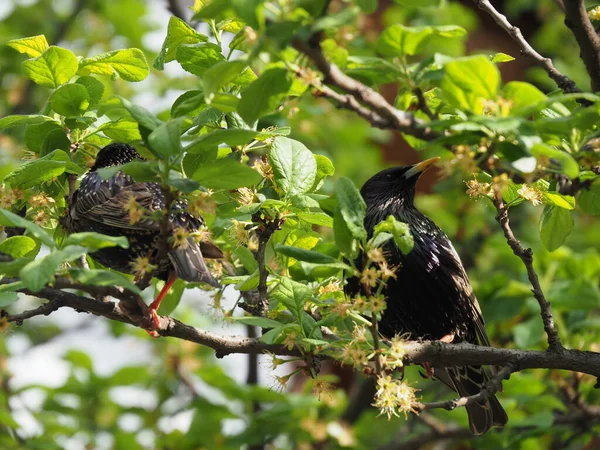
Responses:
[100,205]
[431,296]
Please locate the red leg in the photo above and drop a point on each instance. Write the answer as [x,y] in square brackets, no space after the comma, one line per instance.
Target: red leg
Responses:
[448,338]
[159,298]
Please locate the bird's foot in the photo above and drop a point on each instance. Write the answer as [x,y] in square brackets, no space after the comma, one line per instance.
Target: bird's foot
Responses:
[429,370]
[154,323]
[448,339]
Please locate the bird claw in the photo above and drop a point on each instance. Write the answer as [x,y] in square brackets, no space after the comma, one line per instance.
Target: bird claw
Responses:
[448,339]
[154,324]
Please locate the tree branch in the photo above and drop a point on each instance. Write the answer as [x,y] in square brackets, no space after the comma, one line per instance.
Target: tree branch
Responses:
[400,120]
[526,255]
[436,353]
[563,82]
[577,19]
[493,386]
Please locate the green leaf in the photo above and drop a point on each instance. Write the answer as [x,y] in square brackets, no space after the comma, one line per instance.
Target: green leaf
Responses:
[32,119]
[522,95]
[418,3]
[399,40]
[94,87]
[17,246]
[142,116]
[589,200]
[79,359]
[555,225]
[100,277]
[226,174]
[568,165]
[562,201]
[310,256]
[336,20]
[352,207]
[178,33]
[36,274]
[122,130]
[130,64]
[139,170]
[501,57]
[32,46]
[291,294]
[294,166]
[344,239]
[189,103]
[70,100]
[367,6]
[265,94]
[34,172]
[172,299]
[221,74]
[261,322]
[468,82]
[316,218]
[197,59]
[232,137]
[400,232]
[7,299]
[12,220]
[95,241]
[52,68]
[166,139]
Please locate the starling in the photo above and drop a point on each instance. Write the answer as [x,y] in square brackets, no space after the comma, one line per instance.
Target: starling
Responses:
[431,297]
[104,206]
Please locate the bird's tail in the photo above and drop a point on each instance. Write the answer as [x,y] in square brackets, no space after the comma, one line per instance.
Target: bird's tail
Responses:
[189,263]
[469,380]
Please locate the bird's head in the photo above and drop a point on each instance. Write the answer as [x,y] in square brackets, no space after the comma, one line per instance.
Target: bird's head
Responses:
[395,185]
[115,154]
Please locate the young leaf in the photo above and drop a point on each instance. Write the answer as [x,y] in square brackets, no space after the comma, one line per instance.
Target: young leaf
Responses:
[178,33]
[17,246]
[232,137]
[197,59]
[166,139]
[189,103]
[265,94]
[94,87]
[39,170]
[562,201]
[294,166]
[400,232]
[32,46]
[70,100]
[262,322]
[7,218]
[568,165]
[41,271]
[130,64]
[100,277]
[226,174]
[95,241]
[468,82]
[122,130]
[32,119]
[399,40]
[52,68]
[555,225]
[221,74]
[352,207]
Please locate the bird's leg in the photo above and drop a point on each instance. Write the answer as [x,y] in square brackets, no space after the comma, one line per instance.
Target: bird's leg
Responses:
[429,370]
[159,298]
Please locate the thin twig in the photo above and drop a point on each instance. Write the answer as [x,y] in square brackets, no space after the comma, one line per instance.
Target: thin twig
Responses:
[400,120]
[563,82]
[491,387]
[423,106]
[577,19]
[526,255]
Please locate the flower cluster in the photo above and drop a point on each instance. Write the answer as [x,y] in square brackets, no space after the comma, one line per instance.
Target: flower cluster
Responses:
[531,194]
[476,189]
[394,396]
[133,209]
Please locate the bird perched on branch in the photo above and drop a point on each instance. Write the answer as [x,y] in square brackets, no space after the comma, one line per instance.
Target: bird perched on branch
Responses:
[107,205]
[430,297]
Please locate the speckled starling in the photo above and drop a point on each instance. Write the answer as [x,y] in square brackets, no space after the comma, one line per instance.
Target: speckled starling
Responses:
[431,297]
[104,206]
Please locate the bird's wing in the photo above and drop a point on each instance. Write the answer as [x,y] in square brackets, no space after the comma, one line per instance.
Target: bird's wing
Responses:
[105,201]
[462,281]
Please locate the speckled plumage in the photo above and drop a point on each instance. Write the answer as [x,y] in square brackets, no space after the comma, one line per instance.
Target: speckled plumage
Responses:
[99,205]
[431,296]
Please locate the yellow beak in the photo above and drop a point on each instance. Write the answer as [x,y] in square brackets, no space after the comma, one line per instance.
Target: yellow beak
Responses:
[421,167]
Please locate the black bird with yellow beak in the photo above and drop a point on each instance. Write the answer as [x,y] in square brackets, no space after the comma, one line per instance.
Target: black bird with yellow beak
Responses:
[431,297]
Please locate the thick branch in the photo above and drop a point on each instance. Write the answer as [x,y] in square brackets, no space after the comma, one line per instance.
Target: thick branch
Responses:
[563,82]
[400,120]
[577,19]
[526,256]
[436,353]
